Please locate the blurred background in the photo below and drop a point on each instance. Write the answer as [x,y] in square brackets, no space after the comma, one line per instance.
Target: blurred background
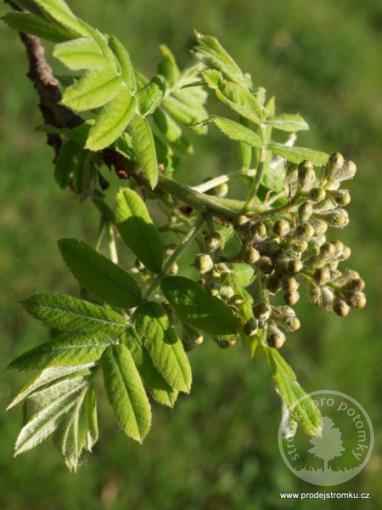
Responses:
[218,449]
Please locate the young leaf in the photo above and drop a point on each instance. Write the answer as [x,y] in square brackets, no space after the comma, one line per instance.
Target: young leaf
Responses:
[137,229]
[150,96]
[159,389]
[237,132]
[288,122]
[66,350]
[211,52]
[95,89]
[45,410]
[168,66]
[68,313]
[167,125]
[61,12]
[126,393]
[99,275]
[112,121]
[82,53]
[44,378]
[198,308]
[163,346]
[237,97]
[125,64]
[36,25]
[182,112]
[241,273]
[298,154]
[299,403]
[144,147]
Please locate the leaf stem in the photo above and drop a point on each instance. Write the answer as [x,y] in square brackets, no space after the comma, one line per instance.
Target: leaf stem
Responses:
[175,255]
[111,243]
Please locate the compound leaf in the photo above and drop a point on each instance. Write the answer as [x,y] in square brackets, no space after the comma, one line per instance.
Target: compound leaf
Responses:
[198,308]
[137,229]
[125,392]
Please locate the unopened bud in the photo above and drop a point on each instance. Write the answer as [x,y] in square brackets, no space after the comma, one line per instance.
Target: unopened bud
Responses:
[213,241]
[281,228]
[259,230]
[338,218]
[334,166]
[221,190]
[290,284]
[251,255]
[341,197]
[356,300]
[299,245]
[265,265]
[317,194]
[203,263]
[262,311]
[322,275]
[305,211]
[275,337]
[340,307]
[320,226]
[226,342]
[226,291]
[295,266]
[174,268]
[241,220]
[328,250]
[291,298]
[347,171]
[250,328]
[306,176]
[356,284]
[305,231]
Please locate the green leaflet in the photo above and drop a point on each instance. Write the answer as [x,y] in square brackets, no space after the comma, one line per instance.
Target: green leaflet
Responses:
[95,89]
[163,346]
[125,64]
[167,125]
[36,25]
[241,273]
[137,229]
[44,378]
[183,112]
[144,148]
[198,308]
[82,53]
[45,409]
[237,132]
[79,429]
[67,349]
[99,275]
[288,122]
[126,393]
[245,151]
[159,389]
[67,162]
[112,121]
[150,96]
[299,403]
[234,95]
[68,313]
[298,154]
[168,67]
[61,13]
[211,52]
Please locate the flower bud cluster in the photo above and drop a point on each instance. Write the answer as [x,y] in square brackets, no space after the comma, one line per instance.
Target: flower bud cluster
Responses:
[288,247]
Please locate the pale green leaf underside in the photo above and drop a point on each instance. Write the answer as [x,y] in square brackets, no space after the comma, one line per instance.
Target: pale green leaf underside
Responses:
[144,148]
[99,275]
[163,346]
[298,154]
[288,122]
[126,393]
[80,53]
[237,132]
[60,11]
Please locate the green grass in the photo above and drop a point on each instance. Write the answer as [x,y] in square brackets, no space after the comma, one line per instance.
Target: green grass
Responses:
[218,448]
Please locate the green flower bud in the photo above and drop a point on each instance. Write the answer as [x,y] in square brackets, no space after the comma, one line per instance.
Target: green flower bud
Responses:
[305,211]
[295,266]
[241,220]
[356,284]
[275,337]
[299,245]
[356,300]
[215,292]
[345,254]
[250,328]
[259,231]
[347,171]
[251,255]
[320,226]
[327,298]
[338,218]
[305,231]
[226,291]
[173,269]
[317,194]
[170,249]
[340,307]
[334,166]
[316,295]
[222,268]
[286,316]
[290,284]
[237,300]
[262,311]
[328,250]
[322,275]
[221,190]
[291,298]
[213,241]
[306,176]
[281,228]
[265,265]
[341,197]
[226,342]
[203,263]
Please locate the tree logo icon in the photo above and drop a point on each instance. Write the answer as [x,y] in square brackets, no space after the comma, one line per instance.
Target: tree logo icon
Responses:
[341,448]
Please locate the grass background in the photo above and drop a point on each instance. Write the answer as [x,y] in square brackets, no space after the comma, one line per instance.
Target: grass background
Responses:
[218,449]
